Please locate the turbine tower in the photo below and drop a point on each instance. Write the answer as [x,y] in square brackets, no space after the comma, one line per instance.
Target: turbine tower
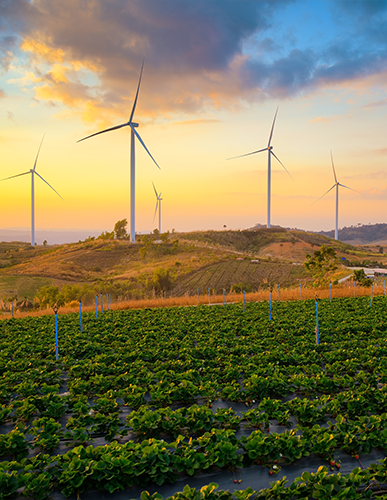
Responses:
[158,206]
[133,133]
[336,185]
[33,172]
[270,152]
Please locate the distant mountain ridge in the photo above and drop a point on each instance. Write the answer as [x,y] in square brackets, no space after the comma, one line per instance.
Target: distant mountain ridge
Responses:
[370,233]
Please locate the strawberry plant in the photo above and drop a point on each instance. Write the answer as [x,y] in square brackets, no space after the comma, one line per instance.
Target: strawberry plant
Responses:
[45,431]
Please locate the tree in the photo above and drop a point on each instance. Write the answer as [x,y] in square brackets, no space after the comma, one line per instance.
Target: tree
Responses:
[360,278]
[162,280]
[120,229]
[322,265]
[45,243]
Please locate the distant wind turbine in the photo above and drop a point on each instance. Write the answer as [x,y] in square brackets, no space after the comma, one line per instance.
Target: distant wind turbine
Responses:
[336,185]
[33,172]
[130,123]
[158,206]
[269,149]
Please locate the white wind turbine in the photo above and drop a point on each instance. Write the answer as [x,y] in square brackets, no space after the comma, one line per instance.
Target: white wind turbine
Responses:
[270,152]
[336,185]
[133,134]
[158,206]
[33,172]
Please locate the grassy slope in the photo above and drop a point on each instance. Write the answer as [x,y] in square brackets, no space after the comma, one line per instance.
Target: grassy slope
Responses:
[200,260]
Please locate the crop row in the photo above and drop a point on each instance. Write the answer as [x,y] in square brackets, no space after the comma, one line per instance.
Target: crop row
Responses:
[118,466]
[151,359]
[358,485]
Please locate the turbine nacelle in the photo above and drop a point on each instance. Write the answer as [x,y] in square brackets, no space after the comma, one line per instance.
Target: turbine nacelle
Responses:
[132,124]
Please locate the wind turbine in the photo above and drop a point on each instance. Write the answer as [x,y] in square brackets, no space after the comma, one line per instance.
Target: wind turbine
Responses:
[33,172]
[270,152]
[133,133]
[336,185]
[158,206]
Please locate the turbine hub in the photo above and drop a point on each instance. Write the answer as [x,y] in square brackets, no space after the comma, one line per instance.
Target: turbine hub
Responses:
[270,147]
[134,124]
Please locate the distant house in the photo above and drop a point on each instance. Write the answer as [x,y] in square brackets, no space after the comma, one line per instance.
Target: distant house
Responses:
[255,261]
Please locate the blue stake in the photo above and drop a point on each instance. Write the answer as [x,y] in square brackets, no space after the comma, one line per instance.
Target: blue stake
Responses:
[301,290]
[107,301]
[56,333]
[209,296]
[197,292]
[101,304]
[279,292]
[80,315]
[372,286]
[96,306]
[384,288]
[12,308]
[243,301]
[317,328]
[330,286]
[223,298]
[271,303]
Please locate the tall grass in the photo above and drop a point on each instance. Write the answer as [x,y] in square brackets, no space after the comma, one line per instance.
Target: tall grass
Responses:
[338,291]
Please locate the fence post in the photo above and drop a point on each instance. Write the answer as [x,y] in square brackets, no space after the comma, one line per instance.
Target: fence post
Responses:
[279,292]
[197,291]
[301,291]
[96,306]
[101,304]
[80,316]
[317,327]
[223,298]
[209,296]
[56,332]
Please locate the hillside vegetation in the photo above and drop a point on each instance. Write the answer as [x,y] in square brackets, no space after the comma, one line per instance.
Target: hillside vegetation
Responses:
[361,234]
[161,265]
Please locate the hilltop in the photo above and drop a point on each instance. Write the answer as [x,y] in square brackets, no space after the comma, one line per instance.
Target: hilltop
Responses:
[371,234]
[174,265]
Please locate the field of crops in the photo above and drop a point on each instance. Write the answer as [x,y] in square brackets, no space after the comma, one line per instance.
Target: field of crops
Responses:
[157,399]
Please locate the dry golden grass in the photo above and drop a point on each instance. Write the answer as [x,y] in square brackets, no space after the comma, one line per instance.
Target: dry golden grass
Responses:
[338,291]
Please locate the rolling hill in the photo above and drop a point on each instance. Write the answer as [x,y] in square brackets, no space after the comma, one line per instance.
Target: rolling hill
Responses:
[176,265]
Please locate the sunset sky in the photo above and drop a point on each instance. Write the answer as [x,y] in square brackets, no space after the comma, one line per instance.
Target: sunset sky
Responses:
[215,72]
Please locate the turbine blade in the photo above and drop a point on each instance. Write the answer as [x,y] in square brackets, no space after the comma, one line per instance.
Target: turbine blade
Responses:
[13,176]
[36,159]
[272,128]
[342,185]
[48,185]
[247,154]
[142,143]
[276,157]
[138,88]
[157,204]
[103,131]
[333,166]
[155,190]
[334,185]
